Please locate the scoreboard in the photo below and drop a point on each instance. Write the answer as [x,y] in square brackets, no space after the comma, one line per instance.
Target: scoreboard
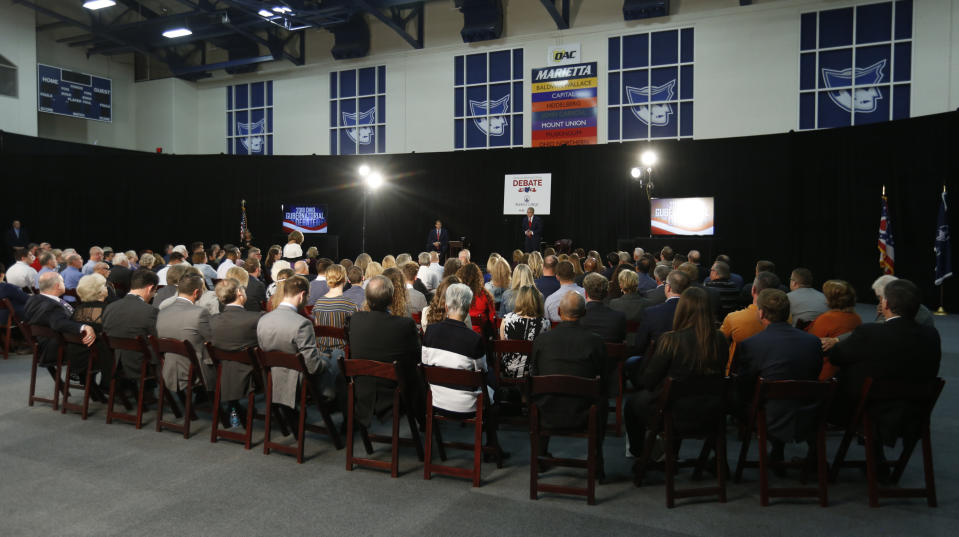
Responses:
[74,94]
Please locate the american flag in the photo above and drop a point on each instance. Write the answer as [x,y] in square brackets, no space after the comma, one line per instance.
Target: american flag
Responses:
[887,251]
[243,225]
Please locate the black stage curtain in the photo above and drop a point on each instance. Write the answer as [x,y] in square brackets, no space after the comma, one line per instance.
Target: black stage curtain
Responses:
[800,199]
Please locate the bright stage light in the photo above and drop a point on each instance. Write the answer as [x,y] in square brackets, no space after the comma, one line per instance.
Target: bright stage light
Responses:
[177,32]
[364,170]
[635,172]
[374,180]
[94,5]
[648,159]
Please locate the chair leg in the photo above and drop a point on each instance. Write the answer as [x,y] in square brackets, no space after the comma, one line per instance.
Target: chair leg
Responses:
[871,474]
[841,452]
[592,443]
[415,434]
[188,406]
[533,463]
[477,448]
[670,463]
[250,412]
[428,456]
[58,382]
[438,432]
[140,395]
[112,397]
[821,466]
[214,426]
[161,401]
[907,449]
[395,444]
[349,427]
[269,414]
[33,380]
[927,466]
[301,437]
[330,426]
[743,453]
[86,388]
[721,470]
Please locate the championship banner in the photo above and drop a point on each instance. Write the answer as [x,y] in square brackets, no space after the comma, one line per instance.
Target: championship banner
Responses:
[523,191]
[564,105]
[305,218]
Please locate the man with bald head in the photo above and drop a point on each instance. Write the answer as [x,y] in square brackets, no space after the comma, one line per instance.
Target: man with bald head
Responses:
[570,349]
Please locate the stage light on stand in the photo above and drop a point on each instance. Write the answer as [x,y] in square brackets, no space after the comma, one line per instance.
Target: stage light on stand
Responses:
[644,173]
[635,173]
[648,159]
[374,180]
[364,170]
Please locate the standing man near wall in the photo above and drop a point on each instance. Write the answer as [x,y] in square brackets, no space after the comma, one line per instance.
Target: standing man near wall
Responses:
[437,239]
[532,231]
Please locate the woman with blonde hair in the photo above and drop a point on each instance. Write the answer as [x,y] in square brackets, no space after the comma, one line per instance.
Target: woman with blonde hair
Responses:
[362,261]
[577,266]
[398,307]
[525,322]
[293,251]
[92,295]
[839,319]
[389,262]
[517,257]
[333,309]
[373,269]
[535,262]
[499,281]
[522,275]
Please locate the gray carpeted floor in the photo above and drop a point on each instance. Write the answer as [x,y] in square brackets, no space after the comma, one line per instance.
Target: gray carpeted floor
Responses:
[63,476]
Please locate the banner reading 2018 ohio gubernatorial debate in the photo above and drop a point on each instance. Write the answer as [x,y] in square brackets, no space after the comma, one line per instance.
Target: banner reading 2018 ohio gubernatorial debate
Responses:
[564,105]
[525,190]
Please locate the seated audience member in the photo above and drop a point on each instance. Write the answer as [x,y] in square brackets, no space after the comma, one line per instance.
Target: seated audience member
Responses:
[923,315]
[464,256]
[451,267]
[176,258]
[96,256]
[841,318]
[275,291]
[482,307]
[526,322]
[230,256]
[169,290]
[120,273]
[373,269]
[302,268]
[614,292]
[272,256]
[631,303]
[207,300]
[311,256]
[48,263]
[415,299]
[564,276]
[73,273]
[779,352]
[333,309]
[657,295]
[744,324]
[103,269]
[692,348]
[255,292]
[377,335]
[694,257]
[592,264]
[714,296]
[293,251]
[133,316]
[278,266]
[400,305]
[146,261]
[21,273]
[763,265]
[48,309]
[805,303]
[436,311]
[285,330]
[657,320]
[604,321]
[898,348]
[522,276]
[499,281]
[132,259]
[733,277]
[548,283]
[436,268]
[728,290]
[158,263]
[451,344]
[612,261]
[666,256]
[200,262]
[488,273]
[184,320]
[355,293]
[92,294]
[388,262]
[570,349]
[13,293]
[362,261]
[425,273]
[234,330]
[535,262]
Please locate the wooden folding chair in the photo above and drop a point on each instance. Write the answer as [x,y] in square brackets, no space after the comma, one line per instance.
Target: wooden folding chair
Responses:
[147,372]
[354,368]
[501,347]
[162,347]
[809,392]
[617,351]
[247,357]
[570,386]
[7,328]
[461,379]
[84,407]
[269,360]
[714,436]
[878,393]
[31,332]
[325,331]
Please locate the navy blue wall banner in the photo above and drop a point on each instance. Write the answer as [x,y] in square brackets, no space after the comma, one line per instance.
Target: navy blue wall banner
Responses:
[74,94]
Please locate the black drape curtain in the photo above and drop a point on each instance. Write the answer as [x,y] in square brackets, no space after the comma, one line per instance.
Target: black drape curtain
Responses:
[799,199]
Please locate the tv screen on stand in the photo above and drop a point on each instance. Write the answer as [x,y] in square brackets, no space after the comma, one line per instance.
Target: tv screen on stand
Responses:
[305,218]
[681,216]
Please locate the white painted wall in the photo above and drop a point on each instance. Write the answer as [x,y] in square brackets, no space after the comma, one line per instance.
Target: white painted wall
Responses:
[18,44]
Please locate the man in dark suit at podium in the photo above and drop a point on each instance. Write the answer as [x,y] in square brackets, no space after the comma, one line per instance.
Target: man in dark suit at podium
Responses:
[532,231]
[438,239]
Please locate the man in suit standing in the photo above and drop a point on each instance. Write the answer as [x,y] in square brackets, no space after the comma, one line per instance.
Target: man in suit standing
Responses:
[532,231]
[185,321]
[780,352]
[255,292]
[15,237]
[133,316]
[438,239]
[285,330]
[570,349]
[377,335]
[48,309]
[234,330]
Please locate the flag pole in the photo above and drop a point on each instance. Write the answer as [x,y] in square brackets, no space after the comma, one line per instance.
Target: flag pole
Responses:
[942,292]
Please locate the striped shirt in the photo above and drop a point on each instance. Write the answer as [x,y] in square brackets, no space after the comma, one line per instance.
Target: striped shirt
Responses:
[332,312]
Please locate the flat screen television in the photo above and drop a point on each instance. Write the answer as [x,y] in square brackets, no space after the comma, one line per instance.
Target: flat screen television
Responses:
[681,216]
[305,218]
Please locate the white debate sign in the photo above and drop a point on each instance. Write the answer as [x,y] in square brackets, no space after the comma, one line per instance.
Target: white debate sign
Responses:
[525,190]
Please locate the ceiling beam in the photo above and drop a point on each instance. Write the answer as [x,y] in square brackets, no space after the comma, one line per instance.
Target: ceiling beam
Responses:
[560,18]
[397,21]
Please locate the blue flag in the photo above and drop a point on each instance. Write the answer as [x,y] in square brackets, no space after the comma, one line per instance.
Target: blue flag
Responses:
[943,250]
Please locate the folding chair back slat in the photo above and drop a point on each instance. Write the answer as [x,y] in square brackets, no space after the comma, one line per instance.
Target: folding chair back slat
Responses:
[139,345]
[247,357]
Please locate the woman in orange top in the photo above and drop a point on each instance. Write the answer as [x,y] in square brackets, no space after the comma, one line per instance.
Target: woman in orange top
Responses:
[841,318]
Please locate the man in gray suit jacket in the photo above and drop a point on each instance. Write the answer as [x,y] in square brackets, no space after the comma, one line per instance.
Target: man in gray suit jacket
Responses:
[285,330]
[133,316]
[234,330]
[172,278]
[185,321]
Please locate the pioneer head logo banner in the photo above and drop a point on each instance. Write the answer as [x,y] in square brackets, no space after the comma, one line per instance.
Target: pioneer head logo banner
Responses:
[253,132]
[362,133]
[864,100]
[491,125]
[656,113]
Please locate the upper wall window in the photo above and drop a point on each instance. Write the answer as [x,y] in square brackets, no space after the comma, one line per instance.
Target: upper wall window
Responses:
[855,65]
[8,77]
[249,119]
[651,85]
[358,111]
[488,99]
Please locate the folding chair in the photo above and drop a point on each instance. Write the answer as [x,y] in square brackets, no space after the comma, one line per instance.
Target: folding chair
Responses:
[84,407]
[811,393]
[354,368]
[617,351]
[461,379]
[7,328]
[502,347]
[245,357]
[139,345]
[31,332]
[322,330]
[877,393]
[269,360]
[570,386]
[714,435]
[162,347]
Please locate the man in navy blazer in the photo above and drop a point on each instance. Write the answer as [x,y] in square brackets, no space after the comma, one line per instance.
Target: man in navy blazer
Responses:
[657,320]
[438,238]
[48,309]
[532,231]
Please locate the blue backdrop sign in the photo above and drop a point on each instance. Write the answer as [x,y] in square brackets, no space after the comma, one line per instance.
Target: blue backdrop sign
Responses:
[69,93]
